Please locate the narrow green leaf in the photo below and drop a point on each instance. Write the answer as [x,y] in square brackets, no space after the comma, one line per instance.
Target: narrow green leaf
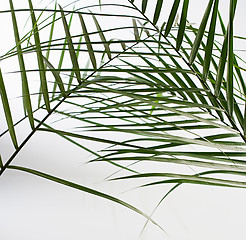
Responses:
[56,76]
[87,149]
[200,32]
[157,11]
[72,73]
[48,51]
[71,47]
[230,61]
[221,67]
[210,41]
[51,31]
[223,56]
[25,88]
[123,45]
[7,111]
[182,161]
[172,17]
[184,139]
[43,80]
[160,36]
[238,113]
[144,5]
[218,184]
[129,70]
[189,179]
[28,40]
[84,137]
[70,140]
[212,156]
[222,25]
[159,203]
[240,76]
[135,28]
[82,188]
[103,38]
[88,42]
[62,58]
[182,24]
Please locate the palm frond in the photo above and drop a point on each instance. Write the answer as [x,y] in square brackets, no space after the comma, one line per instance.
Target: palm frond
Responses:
[146,89]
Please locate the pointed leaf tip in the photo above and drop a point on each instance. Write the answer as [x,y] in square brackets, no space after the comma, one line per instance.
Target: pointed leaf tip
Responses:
[84,189]
[135,28]
[182,24]
[172,16]
[40,60]
[88,42]
[200,32]
[102,36]
[7,111]
[157,11]
[70,44]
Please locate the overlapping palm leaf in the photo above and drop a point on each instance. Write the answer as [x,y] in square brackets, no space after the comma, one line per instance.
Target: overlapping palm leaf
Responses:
[162,94]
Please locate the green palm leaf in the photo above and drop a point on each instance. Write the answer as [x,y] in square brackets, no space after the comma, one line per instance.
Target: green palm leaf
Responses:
[88,42]
[143,94]
[81,188]
[71,47]
[25,88]
[43,79]
[7,111]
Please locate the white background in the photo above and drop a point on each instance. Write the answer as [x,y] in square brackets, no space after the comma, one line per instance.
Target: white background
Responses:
[34,208]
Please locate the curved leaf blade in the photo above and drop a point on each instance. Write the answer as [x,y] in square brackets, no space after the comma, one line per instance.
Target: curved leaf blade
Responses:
[135,28]
[182,24]
[82,188]
[171,17]
[144,5]
[88,42]
[42,74]
[56,76]
[200,32]
[210,41]
[102,36]
[71,47]
[221,67]
[230,61]
[157,11]
[7,111]
[25,88]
